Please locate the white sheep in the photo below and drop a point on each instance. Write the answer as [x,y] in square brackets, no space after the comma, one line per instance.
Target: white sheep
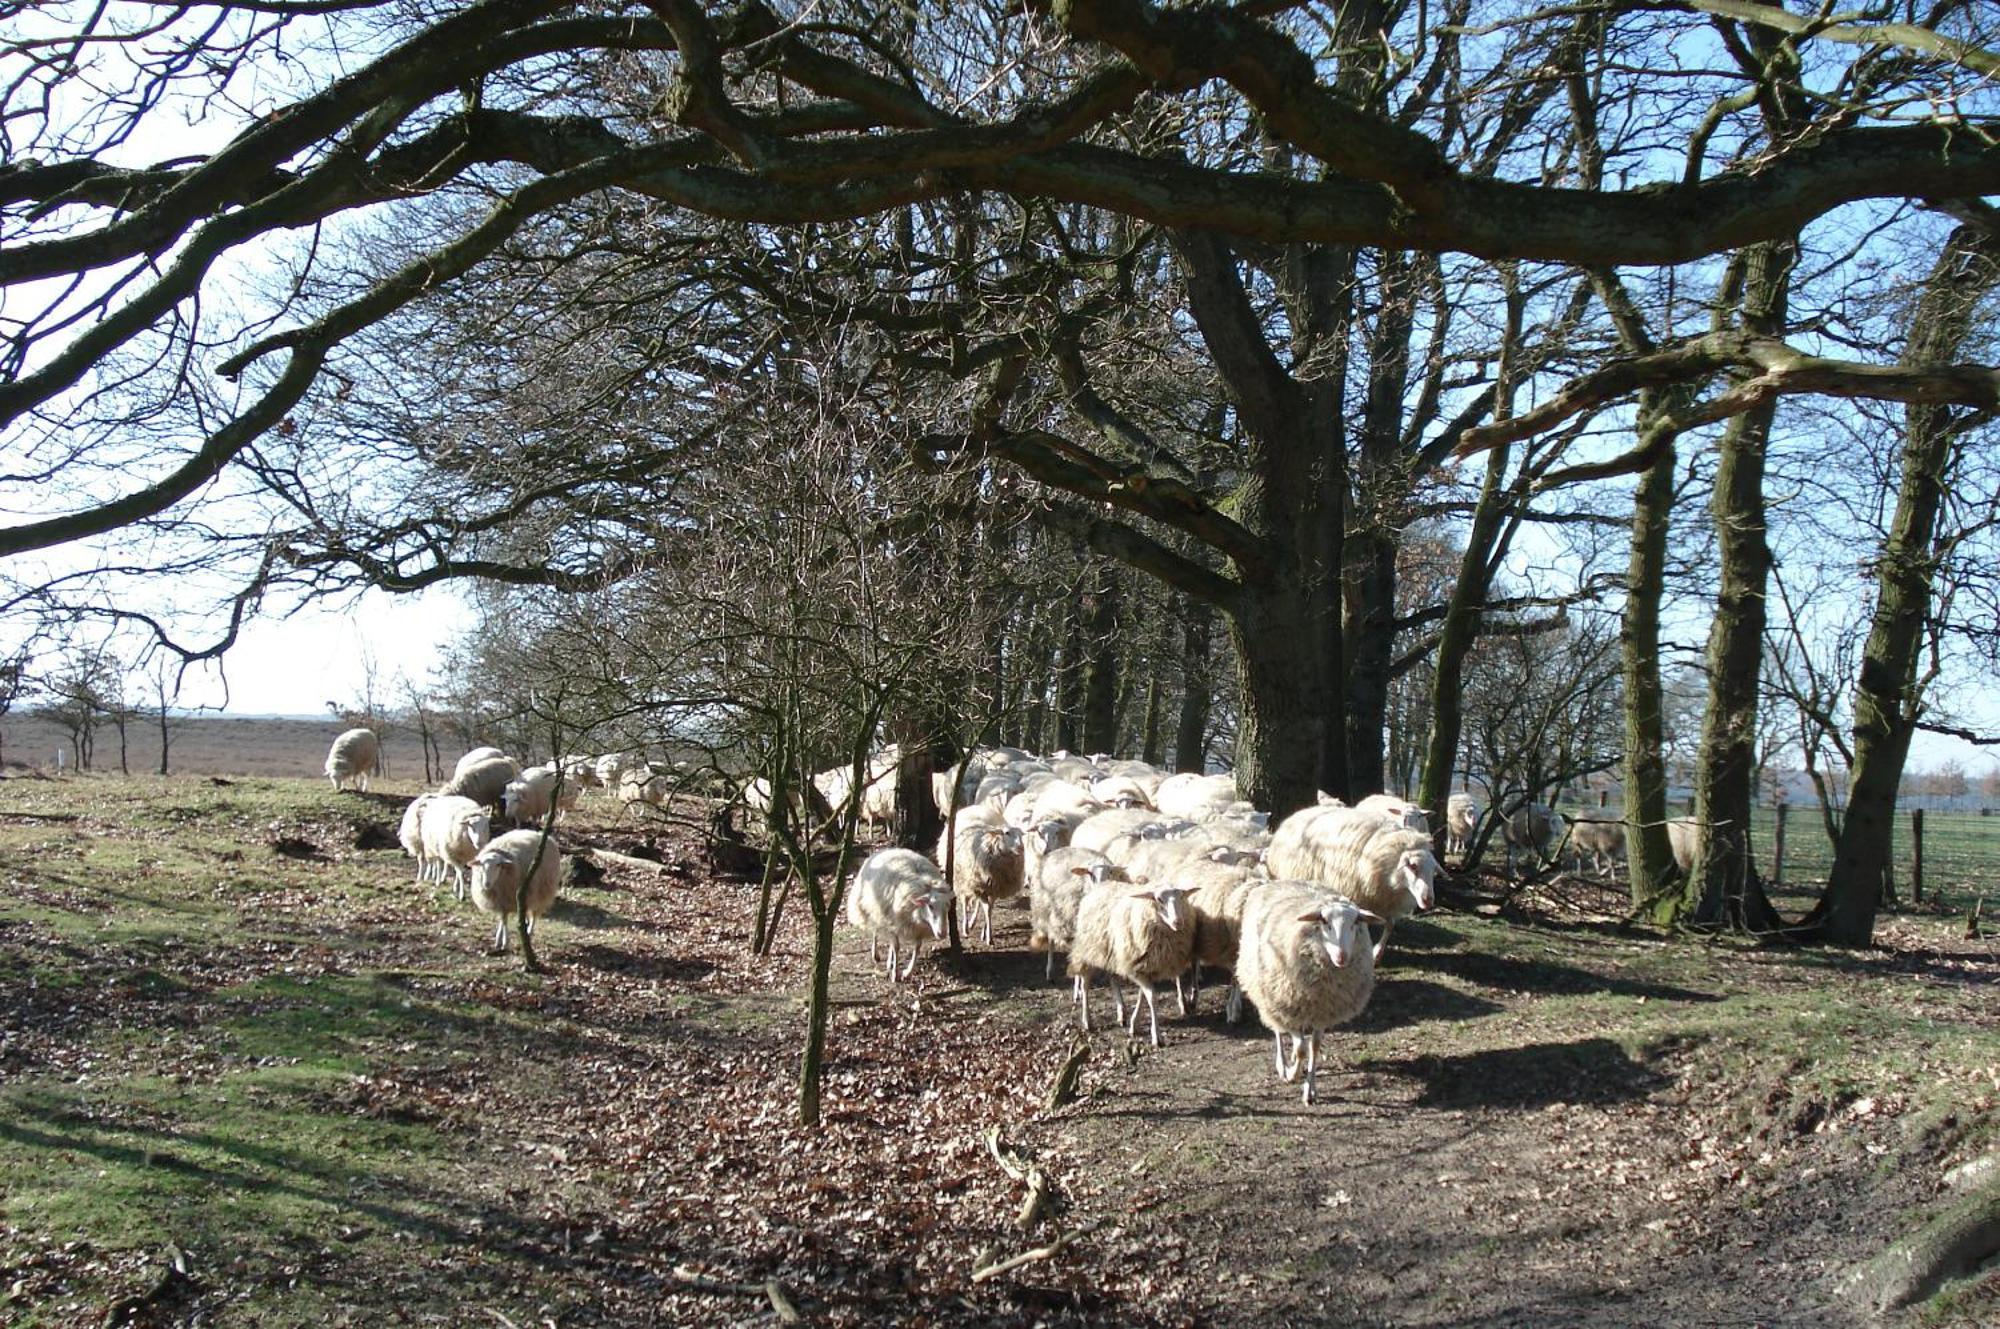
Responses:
[1120,791]
[988,863]
[644,784]
[473,758]
[499,871]
[1399,810]
[1316,843]
[484,781]
[1144,936]
[1099,831]
[1304,960]
[410,834]
[1195,796]
[1533,831]
[580,771]
[1684,838]
[898,894]
[528,798]
[355,755]
[1461,822]
[1216,892]
[1056,892]
[1598,843]
[453,830]
[1391,876]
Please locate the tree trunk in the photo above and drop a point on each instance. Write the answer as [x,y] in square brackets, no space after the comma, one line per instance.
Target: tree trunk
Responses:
[1370,641]
[1281,727]
[1069,683]
[1191,733]
[163,738]
[1099,728]
[1886,700]
[1723,888]
[1151,745]
[1649,857]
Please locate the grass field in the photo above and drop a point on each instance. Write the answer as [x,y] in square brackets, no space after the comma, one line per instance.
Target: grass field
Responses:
[251,1075]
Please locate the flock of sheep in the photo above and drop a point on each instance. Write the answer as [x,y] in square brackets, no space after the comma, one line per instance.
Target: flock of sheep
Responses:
[1137,876]
[1144,878]
[449,832]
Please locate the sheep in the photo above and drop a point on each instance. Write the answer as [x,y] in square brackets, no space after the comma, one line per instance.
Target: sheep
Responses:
[1304,960]
[1067,875]
[499,871]
[580,772]
[898,895]
[988,864]
[485,781]
[1250,835]
[528,798]
[1158,860]
[1143,936]
[612,765]
[1313,843]
[1120,791]
[1195,796]
[643,784]
[1684,837]
[1392,876]
[1461,821]
[453,830]
[355,755]
[473,758]
[410,834]
[1601,842]
[1534,829]
[1216,891]
[1100,830]
[1396,809]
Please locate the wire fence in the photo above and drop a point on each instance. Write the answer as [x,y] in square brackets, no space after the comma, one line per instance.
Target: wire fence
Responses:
[1943,859]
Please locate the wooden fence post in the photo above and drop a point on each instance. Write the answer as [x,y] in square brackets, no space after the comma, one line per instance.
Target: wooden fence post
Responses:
[1778,847]
[1917,855]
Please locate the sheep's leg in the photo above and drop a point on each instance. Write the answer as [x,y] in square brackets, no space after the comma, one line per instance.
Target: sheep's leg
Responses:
[875,948]
[1387,926]
[1232,1007]
[1082,993]
[916,952]
[1049,966]
[1181,994]
[986,933]
[1117,1001]
[1132,1025]
[1287,1069]
[500,936]
[1312,1065]
[1152,1012]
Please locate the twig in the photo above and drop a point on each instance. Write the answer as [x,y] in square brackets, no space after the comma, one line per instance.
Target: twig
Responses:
[781,1302]
[498,1316]
[1029,1257]
[770,1289]
[1028,1174]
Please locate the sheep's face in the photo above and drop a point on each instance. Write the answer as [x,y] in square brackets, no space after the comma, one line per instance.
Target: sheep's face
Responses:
[1169,905]
[1152,830]
[490,870]
[1417,874]
[928,910]
[476,831]
[1052,833]
[1337,932]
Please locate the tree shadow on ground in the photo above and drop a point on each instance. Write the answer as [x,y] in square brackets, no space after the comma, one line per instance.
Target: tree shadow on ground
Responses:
[578,914]
[1401,1000]
[1546,977]
[658,968]
[1590,1070]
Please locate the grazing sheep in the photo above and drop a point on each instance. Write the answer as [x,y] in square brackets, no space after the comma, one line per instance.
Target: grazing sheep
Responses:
[1461,821]
[1535,830]
[1143,936]
[988,864]
[898,895]
[453,829]
[355,755]
[499,871]
[580,772]
[1399,810]
[410,834]
[1067,875]
[1684,836]
[1304,960]
[473,758]
[1317,843]
[1600,842]
[485,781]
[1195,796]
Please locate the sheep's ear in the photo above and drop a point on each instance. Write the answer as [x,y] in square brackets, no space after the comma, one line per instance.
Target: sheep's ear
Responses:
[1370,916]
[1414,860]
[1316,916]
[1079,872]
